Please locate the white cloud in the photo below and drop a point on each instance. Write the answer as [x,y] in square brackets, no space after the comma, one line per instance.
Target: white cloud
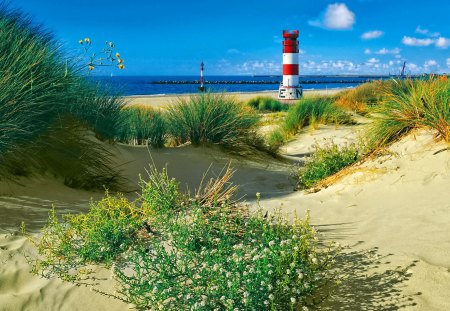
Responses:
[336,17]
[417,42]
[448,62]
[372,34]
[367,51]
[373,61]
[442,42]
[427,32]
[430,63]
[385,51]
[398,56]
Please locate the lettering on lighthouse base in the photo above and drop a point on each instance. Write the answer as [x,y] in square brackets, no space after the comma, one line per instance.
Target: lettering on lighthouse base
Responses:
[290,93]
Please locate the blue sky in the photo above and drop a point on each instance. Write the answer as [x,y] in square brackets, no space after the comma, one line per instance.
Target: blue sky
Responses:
[172,37]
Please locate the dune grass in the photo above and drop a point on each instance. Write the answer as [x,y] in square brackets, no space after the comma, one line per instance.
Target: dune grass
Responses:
[361,98]
[170,250]
[309,111]
[411,104]
[142,126]
[266,103]
[213,119]
[44,98]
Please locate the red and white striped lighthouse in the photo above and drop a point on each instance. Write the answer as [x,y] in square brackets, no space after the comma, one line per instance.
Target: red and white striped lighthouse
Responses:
[290,88]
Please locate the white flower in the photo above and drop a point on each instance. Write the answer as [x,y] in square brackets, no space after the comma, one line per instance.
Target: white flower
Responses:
[300,276]
[270,287]
[271,297]
[222,298]
[314,260]
[292,265]
[271,243]
[288,271]
[266,302]
[293,300]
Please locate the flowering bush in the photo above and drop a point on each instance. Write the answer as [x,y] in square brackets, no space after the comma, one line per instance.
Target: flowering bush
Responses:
[200,253]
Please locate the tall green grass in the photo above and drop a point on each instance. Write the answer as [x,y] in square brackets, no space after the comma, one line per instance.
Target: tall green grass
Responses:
[43,98]
[266,103]
[142,126]
[309,111]
[411,104]
[213,118]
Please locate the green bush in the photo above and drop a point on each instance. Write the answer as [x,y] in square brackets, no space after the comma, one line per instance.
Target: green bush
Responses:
[411,104]
[142,125]
[212,118]
[44,100]
[266,103]
[181,252]
[326,161]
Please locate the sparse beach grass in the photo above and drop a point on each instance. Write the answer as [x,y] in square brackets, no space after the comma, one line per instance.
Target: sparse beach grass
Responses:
[361,98]
[309,111]
[171,250]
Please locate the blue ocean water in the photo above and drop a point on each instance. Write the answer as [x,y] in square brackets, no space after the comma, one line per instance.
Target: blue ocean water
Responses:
[145,85]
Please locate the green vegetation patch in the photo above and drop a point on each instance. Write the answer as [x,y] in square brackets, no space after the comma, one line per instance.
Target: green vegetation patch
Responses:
[326,161]
[171,251]
[266,103]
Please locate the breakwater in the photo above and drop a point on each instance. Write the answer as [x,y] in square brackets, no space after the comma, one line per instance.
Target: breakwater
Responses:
[309,81]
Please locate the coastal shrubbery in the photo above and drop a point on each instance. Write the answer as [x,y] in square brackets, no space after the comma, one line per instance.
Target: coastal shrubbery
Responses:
[266,103]
[326,161]
[170,250]
[46,106]
[410,104]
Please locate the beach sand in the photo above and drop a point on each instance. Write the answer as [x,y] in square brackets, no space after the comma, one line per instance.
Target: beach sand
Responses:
[165,100]
[393,211]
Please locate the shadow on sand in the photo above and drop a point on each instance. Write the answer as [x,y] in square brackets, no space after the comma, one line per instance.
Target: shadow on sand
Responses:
[365,279]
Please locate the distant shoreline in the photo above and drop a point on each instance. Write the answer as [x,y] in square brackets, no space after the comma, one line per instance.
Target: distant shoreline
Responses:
[161,100]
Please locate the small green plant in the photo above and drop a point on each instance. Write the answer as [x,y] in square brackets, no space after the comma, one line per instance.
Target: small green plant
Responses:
[212,118]
[173,251]
[326,161]
[107,56]
[141,126]
[266,103]
[411,104]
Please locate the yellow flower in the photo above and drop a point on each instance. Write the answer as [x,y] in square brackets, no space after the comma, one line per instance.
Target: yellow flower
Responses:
[117,55]
[111,44]
[80,42]
[91,67]
[120,61]
[87,40]
[121,66]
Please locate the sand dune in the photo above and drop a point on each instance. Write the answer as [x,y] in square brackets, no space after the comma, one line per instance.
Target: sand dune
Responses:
[393,211]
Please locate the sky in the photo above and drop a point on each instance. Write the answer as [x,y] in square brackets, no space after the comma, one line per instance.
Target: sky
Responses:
[243,37]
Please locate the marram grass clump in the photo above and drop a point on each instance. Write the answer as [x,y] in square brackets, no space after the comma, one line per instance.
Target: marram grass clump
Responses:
[142,126]
[213,119]
[266,103]
[309,111]
[411,104]
[43,99]
[173,251]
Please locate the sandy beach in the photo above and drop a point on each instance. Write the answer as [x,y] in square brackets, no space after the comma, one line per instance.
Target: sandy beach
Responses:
[164,100]
[392,212]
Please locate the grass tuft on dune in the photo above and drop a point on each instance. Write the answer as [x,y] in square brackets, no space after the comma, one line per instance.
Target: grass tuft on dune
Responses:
[412,104]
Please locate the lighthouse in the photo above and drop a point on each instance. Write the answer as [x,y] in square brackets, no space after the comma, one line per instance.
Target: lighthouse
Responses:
[290,88]
[201,88]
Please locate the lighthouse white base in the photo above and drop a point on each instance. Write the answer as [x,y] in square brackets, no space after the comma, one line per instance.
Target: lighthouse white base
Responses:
[290,93]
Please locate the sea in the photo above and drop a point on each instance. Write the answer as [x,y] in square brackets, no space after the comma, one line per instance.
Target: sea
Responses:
[162,85]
